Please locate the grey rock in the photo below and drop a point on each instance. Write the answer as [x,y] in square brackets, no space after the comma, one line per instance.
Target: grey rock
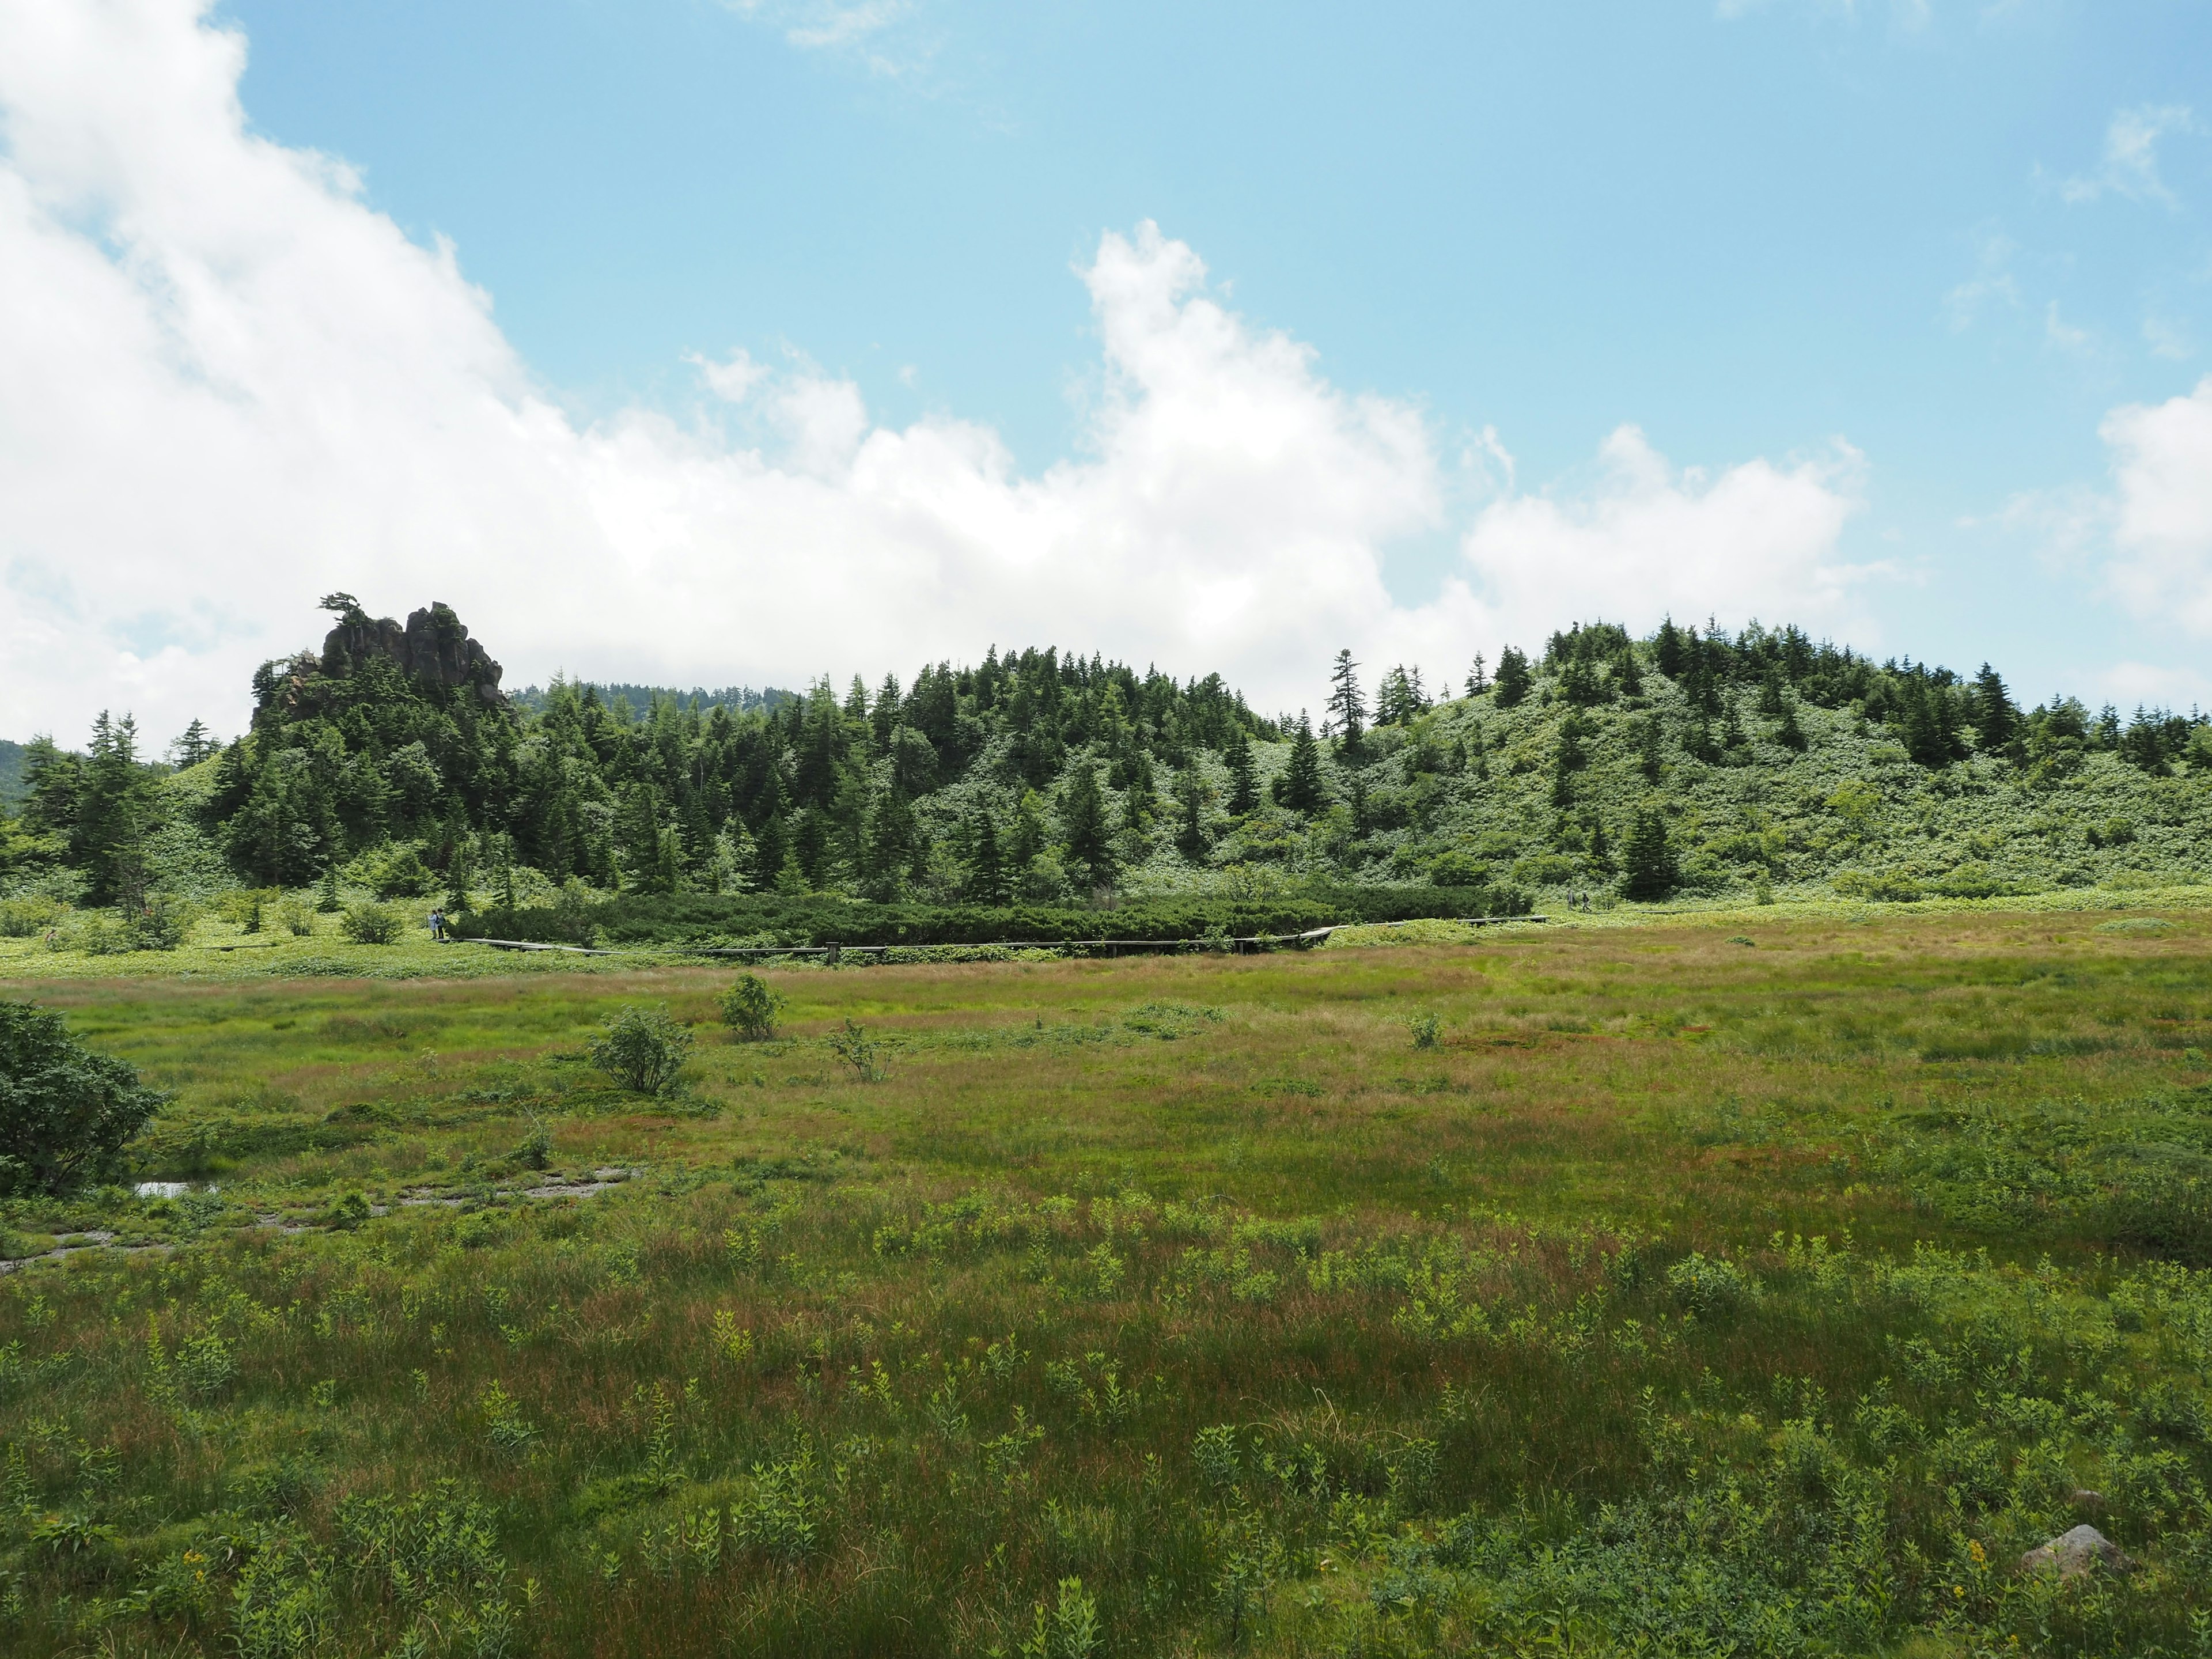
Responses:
[434,646]
[2073,1554]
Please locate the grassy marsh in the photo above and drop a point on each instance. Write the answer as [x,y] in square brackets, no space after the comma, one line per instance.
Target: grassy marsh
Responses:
[1754,1283]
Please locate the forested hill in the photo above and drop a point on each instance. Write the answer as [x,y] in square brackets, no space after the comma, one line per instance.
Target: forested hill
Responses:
[1603,765]
[11,774]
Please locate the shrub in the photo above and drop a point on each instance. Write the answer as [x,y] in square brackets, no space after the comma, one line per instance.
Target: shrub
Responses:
[23,918]
[371,923]
[1427,1030]
[160,925]
[642,1048]
[859,1050]
[537,1149]
[749,1008]
[1887,886]
[65,1112]
[1708,1284]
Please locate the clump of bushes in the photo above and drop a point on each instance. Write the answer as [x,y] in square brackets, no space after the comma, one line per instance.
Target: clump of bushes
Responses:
[66,1113]
[366,923]
[1706,1285]
[749,1008]
[643,1049]
[24,917]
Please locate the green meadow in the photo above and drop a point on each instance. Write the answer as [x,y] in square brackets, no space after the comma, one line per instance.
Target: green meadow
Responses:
[1756,1283]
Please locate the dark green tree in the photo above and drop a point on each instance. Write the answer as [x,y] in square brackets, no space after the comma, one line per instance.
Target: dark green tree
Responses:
[1996,722]
[1084,827]
[1193,795]
[1648,863]
[1347,707]
[1667,652]
[986,870]
[1477,681]
[1513,678]
[66,1113]
[1300,784]
[1243,777]
[1569,758]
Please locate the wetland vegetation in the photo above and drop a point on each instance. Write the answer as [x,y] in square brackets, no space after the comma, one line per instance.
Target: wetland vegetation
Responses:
[1744,1283]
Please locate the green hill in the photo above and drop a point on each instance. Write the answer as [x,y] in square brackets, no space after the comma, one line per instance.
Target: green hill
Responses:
[1606,767]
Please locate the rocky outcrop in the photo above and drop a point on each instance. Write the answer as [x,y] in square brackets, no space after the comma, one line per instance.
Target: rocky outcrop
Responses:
[433,647]
[2073,1554]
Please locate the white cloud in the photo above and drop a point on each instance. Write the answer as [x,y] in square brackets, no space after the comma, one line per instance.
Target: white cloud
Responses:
[733,379]
[227,386]
[1756,540]
[2167,338]
[2130,166]
[869,29]
[1992,283]
[2160,515]
[2139,685]
[1908,16]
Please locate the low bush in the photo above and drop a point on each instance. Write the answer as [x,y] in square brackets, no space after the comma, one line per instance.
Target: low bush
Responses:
[643,1049]
[365,923]
[26,918]
[66,1113]
[819,919]
[749,1008]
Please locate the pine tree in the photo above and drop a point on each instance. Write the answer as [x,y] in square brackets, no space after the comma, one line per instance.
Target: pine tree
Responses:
[1997,722]
[1393,699]
[1649,861]
[1568,758]
[1243,779]
[986,871]
[1513,678]
[1477,681]
[1089,838]
[1667,652]
[1191,795]
[1791,735]
[1347,709]
[1301,782]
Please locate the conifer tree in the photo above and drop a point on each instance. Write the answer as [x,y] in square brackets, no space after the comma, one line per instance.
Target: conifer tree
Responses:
[1347,709]
[1789,734]
[1477,681]
[1568,758]
[1667,650]
[1513,678]
[1648,863]
[1084,828]
[1191,794]
[1650,750]
[986,871]
[1243,779]
[1997,722]
[1301,779]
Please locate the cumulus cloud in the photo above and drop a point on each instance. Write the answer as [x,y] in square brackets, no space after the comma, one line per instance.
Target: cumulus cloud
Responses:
[2161,512]
[227,386]
[1649,539]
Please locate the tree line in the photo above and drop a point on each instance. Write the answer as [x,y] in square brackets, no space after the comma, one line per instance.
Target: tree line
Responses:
[1034,775]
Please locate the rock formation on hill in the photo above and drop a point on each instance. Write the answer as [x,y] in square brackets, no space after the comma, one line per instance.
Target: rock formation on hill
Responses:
[433,647]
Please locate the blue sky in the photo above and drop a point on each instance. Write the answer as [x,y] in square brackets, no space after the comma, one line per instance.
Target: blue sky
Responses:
[1937,244]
